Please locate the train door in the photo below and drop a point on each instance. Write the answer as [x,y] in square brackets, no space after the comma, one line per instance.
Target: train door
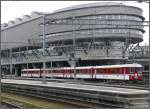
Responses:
[40,75]
[94,73]
[136,73]
[132,74]
[139,73]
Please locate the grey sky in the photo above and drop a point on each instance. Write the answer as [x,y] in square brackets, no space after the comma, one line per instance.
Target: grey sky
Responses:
[16,9]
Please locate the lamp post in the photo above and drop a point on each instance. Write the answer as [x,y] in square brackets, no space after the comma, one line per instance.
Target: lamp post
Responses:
[0,75]
[74,45]
[44,64]
[44,46]
[149,70]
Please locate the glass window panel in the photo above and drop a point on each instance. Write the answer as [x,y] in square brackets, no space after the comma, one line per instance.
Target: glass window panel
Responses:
[128,17]
[109,17]
[122,17]
[106,16]
[96,17]
[100,17]
[119,16]
[113,16]
[103,17]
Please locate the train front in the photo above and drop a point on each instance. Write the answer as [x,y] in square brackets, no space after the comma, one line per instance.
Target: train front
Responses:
[136,72]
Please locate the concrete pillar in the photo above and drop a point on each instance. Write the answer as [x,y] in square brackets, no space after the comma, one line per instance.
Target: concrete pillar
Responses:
[10,57]
[27,65]
[16,70]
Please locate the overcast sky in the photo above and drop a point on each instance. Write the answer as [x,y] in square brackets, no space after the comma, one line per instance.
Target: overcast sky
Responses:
[16,9]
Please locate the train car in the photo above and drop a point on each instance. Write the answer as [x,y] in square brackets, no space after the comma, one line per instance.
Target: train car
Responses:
[31,73]
[112,72]
[119,72]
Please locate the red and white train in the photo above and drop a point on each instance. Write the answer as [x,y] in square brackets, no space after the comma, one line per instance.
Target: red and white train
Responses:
[114,72]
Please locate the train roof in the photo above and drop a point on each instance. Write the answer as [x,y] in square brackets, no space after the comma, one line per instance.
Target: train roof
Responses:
[30,69]
[88,67]
[119,66]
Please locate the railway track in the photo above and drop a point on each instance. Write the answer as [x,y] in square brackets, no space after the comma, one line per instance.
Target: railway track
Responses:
[55,96]
[8,105]
[93,83]
[63,93]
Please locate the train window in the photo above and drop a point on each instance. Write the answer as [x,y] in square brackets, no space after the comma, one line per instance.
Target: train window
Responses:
[80,71]
[123,70]
[139,70]
[103,71]
[112,70]
[99,70]
[127,70]
[107,70]
[88,70]
[131,70]
[120,70]
[117,70]
[83,70]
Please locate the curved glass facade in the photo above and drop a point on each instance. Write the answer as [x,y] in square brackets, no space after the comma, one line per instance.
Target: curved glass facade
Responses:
[97,31]
[107,24]
[112,17]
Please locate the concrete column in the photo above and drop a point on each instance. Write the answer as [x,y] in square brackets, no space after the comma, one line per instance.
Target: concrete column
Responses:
[16,70]
[10,57]
[27,60]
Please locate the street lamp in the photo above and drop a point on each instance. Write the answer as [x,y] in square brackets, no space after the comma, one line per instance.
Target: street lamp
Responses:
[44,64]
[0,75]
[44,47]
[74,45]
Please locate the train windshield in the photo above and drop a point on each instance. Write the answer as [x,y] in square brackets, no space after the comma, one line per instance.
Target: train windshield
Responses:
[140,70]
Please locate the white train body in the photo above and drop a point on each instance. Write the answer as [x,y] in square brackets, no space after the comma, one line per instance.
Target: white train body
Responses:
[116,72]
